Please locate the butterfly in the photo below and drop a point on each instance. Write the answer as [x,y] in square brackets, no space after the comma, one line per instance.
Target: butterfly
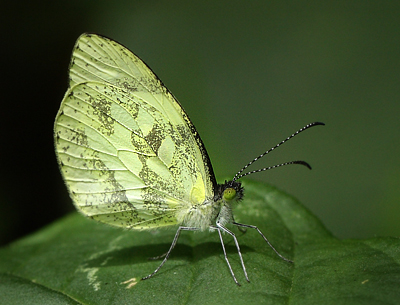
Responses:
[131,157]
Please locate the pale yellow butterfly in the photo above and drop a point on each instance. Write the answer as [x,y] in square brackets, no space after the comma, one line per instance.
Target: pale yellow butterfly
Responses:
[129,154]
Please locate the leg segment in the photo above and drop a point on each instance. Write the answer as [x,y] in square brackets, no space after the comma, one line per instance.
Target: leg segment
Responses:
[178,232]
[258,230]
[222,228]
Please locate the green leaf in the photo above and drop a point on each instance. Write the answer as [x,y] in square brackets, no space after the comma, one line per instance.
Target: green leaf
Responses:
[79,261]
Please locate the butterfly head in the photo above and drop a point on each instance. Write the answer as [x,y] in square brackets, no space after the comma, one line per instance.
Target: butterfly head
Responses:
[230,191]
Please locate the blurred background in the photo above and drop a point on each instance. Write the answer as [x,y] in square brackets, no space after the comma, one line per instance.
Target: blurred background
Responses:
[248,73]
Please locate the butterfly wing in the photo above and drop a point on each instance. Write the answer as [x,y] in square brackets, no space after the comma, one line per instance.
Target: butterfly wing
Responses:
[127,151]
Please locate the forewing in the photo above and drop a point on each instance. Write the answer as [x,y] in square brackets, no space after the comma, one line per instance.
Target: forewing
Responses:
[128,152]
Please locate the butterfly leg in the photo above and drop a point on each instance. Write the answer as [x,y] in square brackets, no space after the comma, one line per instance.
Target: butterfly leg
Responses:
[222,228]
[226,258]
[258,230]
[166,255]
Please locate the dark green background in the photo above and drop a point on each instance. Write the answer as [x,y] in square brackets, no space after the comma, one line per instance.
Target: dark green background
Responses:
[248,73]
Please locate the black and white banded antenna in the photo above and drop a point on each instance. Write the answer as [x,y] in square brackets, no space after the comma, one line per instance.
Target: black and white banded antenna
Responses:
[239,173]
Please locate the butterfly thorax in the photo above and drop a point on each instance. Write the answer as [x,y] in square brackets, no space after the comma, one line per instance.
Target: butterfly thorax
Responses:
[217,209]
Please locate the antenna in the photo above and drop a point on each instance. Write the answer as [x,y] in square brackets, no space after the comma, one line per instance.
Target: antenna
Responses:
[239,175]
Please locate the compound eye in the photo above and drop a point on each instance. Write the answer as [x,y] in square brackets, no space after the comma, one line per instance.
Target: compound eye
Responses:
[229,194]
